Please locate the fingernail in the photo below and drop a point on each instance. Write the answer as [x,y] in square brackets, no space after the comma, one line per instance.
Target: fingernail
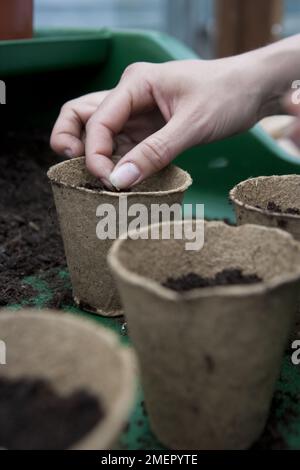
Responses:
[68,153]
[125,175]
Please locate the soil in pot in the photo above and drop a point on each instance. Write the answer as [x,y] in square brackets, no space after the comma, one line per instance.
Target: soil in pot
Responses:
[98,186]
[226,277]
[272,201]
[34,416]
[57,394]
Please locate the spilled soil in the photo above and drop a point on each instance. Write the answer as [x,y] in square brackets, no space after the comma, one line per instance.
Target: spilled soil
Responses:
[30,241]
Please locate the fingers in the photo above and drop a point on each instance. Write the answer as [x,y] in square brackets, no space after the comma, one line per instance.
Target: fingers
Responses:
[66,135]
[150,156]
[130,96]
[66,138]
[105,123]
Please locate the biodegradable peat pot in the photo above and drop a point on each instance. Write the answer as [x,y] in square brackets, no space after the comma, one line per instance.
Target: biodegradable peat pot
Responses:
[209,357]
[251,199]
[93,286]
[72,354]
[16,19]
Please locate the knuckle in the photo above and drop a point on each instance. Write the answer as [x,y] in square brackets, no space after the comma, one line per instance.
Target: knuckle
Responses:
[133,69]
[157,152]
[66,107]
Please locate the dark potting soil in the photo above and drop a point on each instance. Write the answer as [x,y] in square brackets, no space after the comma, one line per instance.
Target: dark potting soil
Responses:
[95,186]
[34,416]
[30,241]
[100,187]
[226,277]
[273,207]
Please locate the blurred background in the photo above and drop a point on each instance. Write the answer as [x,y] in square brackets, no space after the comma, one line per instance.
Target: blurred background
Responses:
[213,28]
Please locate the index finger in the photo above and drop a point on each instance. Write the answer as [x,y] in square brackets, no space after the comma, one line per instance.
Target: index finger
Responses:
[130,96]
[66,137]
[105,123]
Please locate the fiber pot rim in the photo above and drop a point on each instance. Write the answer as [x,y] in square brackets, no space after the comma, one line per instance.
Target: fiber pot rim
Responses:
[240,203]
[179,189]
[104,434]
[215,291]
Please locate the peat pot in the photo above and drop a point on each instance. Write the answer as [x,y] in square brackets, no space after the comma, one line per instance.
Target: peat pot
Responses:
[273,201]
[78,201]
[209,356]
[76,359]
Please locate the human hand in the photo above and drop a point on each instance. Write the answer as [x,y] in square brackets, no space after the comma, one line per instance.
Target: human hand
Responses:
[69,136]
[157,111]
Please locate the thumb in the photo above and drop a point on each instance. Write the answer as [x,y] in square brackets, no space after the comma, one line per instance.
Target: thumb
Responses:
[150,156]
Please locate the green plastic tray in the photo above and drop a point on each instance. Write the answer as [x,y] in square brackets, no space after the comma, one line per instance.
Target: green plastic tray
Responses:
[57,65]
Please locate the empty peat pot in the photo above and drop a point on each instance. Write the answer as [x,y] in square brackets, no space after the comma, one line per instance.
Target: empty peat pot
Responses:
[79,382]
[93,286]
[210,356]
[273,201]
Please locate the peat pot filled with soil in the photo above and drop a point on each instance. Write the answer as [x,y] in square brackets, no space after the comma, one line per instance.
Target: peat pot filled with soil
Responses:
[273,201]
[82,206]
[210,328]
[66,383]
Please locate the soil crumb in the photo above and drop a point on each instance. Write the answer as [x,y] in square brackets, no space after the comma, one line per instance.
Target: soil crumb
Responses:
[98,186]
[273,207]
[226,277]
[34,416]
